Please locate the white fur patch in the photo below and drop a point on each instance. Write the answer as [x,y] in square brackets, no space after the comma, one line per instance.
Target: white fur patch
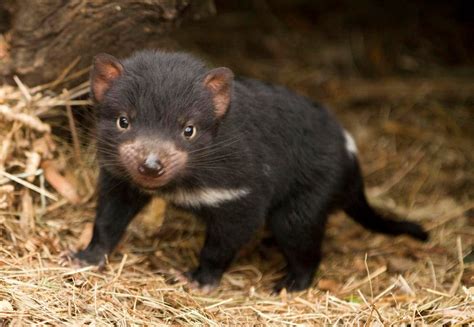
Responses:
[350,143]
[205,196]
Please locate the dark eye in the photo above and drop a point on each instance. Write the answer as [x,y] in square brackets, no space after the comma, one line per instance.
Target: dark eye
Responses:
[189,132]
[123,123]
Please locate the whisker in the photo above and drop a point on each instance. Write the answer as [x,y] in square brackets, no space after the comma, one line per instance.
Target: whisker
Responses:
[217,146]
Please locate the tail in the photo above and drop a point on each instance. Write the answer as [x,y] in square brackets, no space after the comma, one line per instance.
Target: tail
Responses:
[359,209]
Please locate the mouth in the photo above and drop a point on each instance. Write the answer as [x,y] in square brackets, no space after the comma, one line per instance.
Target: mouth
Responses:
[150,184]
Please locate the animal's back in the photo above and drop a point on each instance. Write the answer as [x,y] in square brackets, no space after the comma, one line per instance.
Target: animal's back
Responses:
[294,143]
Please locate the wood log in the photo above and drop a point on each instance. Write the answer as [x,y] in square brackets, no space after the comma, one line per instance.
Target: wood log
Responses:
[46,36]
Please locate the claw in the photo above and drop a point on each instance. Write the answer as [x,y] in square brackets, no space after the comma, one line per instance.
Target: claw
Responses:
[198,281]
[293,283]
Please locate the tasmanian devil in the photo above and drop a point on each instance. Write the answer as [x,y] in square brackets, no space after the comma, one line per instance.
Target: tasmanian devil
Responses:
[236,152]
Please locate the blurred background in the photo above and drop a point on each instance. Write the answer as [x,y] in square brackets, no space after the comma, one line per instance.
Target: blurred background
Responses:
[369,38]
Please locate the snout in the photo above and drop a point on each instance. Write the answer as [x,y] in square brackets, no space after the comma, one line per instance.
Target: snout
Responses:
[152,165]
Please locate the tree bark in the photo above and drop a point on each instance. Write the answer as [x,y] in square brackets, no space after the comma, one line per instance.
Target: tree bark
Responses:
[46,36]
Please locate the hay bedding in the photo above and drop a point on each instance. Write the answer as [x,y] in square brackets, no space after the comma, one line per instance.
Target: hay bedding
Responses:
[46,208]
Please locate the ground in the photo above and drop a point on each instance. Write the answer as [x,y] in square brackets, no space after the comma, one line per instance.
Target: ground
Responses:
[415,138]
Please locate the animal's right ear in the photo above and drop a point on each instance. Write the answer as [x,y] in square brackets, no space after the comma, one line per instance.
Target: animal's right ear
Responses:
[105,69]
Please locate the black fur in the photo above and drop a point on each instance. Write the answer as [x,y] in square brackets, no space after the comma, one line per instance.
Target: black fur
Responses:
[289,153]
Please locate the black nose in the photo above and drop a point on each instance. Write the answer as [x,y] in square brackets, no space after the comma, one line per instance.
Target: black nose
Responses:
[151,167]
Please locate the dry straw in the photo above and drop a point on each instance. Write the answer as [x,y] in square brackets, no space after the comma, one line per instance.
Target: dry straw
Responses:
[46,192]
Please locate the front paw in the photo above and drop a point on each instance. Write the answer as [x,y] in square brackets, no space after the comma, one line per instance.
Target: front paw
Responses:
[90,257]
[203,279]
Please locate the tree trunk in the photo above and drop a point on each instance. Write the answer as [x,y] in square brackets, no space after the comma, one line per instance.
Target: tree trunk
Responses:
[46,36]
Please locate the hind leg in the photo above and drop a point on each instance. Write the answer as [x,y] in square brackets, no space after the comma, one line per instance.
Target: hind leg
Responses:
[298,227]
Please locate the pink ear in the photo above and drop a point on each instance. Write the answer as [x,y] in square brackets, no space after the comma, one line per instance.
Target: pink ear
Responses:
[105,70]
[219,82]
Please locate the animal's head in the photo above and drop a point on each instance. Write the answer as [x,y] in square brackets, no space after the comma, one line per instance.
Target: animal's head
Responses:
[155,112]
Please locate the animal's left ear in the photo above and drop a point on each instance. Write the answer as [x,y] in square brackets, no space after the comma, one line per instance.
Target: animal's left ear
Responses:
[219,82]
